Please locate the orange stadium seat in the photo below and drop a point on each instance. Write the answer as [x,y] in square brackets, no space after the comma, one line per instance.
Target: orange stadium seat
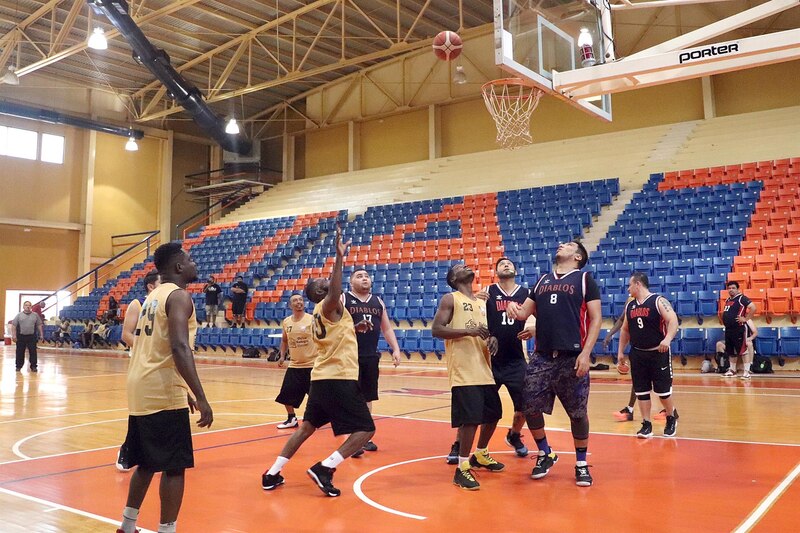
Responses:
[784,279]
[771,246]
[791,245]
[743,263]
[788,261]
[759,297]
[755,232]
[760,280]
[765,262]
[779,302]
[793,230]
[795,307]
[742,278]
[776,231]
[750,247]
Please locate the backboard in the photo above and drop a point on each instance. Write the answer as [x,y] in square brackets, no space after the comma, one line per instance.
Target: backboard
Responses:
[535,38]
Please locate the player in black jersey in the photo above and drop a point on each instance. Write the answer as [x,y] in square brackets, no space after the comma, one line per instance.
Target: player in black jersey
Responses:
[738,310]
[370,319]
[650,324]
[566,303]
[508,365]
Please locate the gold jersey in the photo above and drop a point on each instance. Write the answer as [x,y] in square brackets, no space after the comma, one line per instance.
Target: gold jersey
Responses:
[468,359]
[337,347]
[154,383]
[302,350]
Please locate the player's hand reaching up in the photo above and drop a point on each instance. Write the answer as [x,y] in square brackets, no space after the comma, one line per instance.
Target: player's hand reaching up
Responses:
[341,247]
[483,294]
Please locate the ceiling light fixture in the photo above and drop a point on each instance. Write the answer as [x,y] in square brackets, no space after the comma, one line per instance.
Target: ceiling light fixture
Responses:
[10,77]
[232,128]
[97,40]
[460,77]
[131,145]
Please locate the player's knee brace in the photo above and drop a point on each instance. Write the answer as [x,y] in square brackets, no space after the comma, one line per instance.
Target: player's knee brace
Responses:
[643,397]
[580,427]
[535,421]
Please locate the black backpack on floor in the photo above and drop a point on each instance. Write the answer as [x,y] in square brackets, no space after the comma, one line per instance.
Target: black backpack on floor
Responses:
[761,365]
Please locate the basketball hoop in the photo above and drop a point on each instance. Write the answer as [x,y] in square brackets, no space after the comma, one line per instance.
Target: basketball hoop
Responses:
[511,102]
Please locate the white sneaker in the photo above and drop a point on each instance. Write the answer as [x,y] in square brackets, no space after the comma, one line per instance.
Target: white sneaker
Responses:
[746,375]
[289,423]
[730,374]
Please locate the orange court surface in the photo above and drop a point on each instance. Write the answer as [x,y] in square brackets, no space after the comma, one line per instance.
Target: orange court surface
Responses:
[733,467]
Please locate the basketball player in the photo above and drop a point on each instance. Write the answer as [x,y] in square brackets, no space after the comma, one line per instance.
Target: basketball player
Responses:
[738,310]
[650,324]
[508,365]
[299,341]
[626,413]
[461,321]
[334,396]
[566,303]
[161,369]
[370,316]
[747,358]
[150,281]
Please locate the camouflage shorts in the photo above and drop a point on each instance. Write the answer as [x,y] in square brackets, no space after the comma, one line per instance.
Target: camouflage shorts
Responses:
[548,377]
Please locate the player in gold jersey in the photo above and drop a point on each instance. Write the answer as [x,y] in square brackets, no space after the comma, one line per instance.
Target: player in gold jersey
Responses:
[161,373]
[299,342]
[334,396]
[461,322]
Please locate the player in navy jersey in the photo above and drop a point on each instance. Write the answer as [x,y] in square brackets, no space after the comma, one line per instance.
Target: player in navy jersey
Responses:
[370,319]
[566,304]
[649,325]
[738,310]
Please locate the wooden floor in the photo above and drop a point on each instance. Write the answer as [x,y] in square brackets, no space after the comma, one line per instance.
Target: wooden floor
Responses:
[734,466]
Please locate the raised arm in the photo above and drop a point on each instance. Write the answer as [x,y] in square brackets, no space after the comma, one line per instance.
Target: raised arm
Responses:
[331,305]
[179,309]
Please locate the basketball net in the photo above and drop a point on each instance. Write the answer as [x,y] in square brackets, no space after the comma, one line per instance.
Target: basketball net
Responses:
[511,102]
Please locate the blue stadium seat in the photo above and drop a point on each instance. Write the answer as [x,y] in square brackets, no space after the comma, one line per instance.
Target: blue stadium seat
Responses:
[708,303]
[695,283]
[674,283]
[692,341]
[766,343]
[789,342]
[686,304]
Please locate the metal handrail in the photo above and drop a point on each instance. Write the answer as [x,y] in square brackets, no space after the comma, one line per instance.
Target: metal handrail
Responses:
[210,213]
[204,210]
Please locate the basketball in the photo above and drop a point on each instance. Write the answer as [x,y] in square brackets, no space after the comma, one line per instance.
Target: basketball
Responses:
[447,45]
[623,368]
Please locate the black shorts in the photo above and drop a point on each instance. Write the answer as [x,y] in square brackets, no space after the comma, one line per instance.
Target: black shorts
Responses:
[340,402]
[548,377]
[475,404]
[511,374]
[368,372]
[296,384]
[160,442]
[237,308]
[735,344]
[651,370]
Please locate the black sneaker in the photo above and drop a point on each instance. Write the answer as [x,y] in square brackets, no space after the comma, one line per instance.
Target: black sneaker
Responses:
[290,422]
[34,369]
[515,441]
[370,446]
[122,463]
[624,415]
[671,429]
[358,454]
[271,481]
[543,465]
[646,431]
[582,476]
[465,479]
[323,477]
[485,461]
[452,457]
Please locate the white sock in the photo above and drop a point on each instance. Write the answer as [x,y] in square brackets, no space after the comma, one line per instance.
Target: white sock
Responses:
[129,516]
[280,462]
[169,527]
[462,460]
[334,460]
[481,451]
[581,463]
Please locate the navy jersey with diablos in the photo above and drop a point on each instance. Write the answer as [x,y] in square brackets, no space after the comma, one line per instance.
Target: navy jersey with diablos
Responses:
[645,324]
[501,326]
[372,310]
[562,319]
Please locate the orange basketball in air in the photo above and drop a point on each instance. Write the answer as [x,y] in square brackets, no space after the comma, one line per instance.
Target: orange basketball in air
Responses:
[447,45]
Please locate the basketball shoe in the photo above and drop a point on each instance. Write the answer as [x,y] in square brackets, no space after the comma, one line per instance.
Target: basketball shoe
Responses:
[452,457]
[582,476]
[370,446]
[672,426]
[291,422]
[464,478]
[544,462]
[271,481]
[624,415]
[484,460]
[646,431]
[515,441]
[323,477]
[122,463]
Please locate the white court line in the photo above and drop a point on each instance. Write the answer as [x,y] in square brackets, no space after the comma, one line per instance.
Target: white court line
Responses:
[741,393]
[767,502]
[16,447]
[72,510]
[699,439]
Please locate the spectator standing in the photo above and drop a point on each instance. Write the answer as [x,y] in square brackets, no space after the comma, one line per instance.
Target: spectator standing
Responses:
[239,301]
[113,308]
[25,326]
[39,310]
[212,291]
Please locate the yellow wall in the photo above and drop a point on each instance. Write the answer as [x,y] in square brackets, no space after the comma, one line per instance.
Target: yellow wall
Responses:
[395,139]
[126,190]
[466,127]
[757,89]
[326,152]
[187,158]
[44,191]
[42,259]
